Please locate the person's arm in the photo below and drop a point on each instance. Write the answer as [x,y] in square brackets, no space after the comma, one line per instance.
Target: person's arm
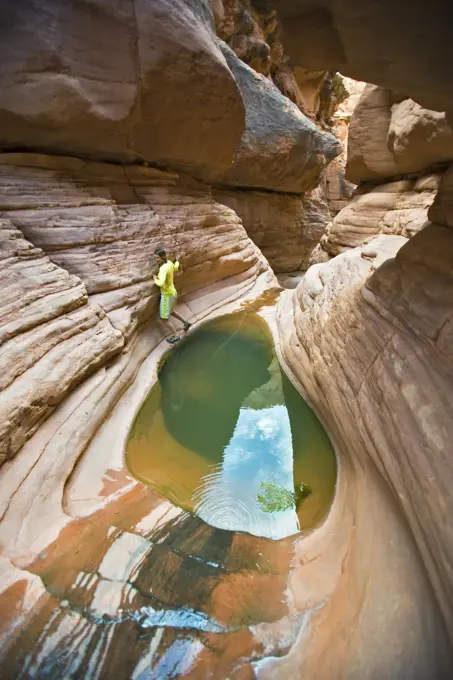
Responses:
[177,262]
[159,280]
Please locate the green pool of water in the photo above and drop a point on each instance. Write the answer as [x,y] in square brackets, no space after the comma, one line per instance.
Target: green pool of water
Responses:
[225,434]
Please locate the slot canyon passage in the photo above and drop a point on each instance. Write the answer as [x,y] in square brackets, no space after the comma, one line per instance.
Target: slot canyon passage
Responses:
[271,497]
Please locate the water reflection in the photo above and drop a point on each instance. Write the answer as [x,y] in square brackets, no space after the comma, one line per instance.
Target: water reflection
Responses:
[222,421]
[260,450]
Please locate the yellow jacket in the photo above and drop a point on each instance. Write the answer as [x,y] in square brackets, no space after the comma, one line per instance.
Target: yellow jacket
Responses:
[165,277]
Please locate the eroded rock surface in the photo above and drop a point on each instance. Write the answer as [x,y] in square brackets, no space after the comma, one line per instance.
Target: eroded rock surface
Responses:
[368,335]
[286,228]
[281,149]
[77,289]
[399,208]
[122,79]
[51,338]
[391,135]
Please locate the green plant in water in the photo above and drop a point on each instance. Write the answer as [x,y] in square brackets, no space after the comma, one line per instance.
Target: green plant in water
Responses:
[275,498]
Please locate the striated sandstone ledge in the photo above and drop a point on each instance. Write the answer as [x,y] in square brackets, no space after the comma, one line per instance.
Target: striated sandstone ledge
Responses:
[371,346]
[75,297]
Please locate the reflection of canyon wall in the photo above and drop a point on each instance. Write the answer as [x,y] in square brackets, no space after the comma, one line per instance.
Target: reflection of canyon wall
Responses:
[371,346]
[368,333]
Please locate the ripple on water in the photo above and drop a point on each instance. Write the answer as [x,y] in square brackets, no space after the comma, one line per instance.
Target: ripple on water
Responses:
[222,421]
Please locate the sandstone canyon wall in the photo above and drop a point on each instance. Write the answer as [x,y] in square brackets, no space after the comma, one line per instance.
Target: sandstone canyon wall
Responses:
[368,332]
[160,134]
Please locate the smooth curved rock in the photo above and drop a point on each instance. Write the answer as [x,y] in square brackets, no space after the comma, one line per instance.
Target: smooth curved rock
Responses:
[281,149]
[285,228]
[370,338]
[128,80]
[71,306]
[390,136]
[399,208]
[400,46]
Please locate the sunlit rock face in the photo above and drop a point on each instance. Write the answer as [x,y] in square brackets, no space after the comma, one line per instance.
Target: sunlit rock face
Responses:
[391,135]
[367,335]
[77,245]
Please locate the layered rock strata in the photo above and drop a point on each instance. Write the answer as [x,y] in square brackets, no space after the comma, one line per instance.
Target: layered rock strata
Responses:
[285,227]
[51,337]
[399,208]
[370,342]
[77,243]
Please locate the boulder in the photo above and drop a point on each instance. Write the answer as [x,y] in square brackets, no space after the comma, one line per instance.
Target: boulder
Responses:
[50,338]
[390,136]
[121,81]
[369,157]
[418,137]
[281,149]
